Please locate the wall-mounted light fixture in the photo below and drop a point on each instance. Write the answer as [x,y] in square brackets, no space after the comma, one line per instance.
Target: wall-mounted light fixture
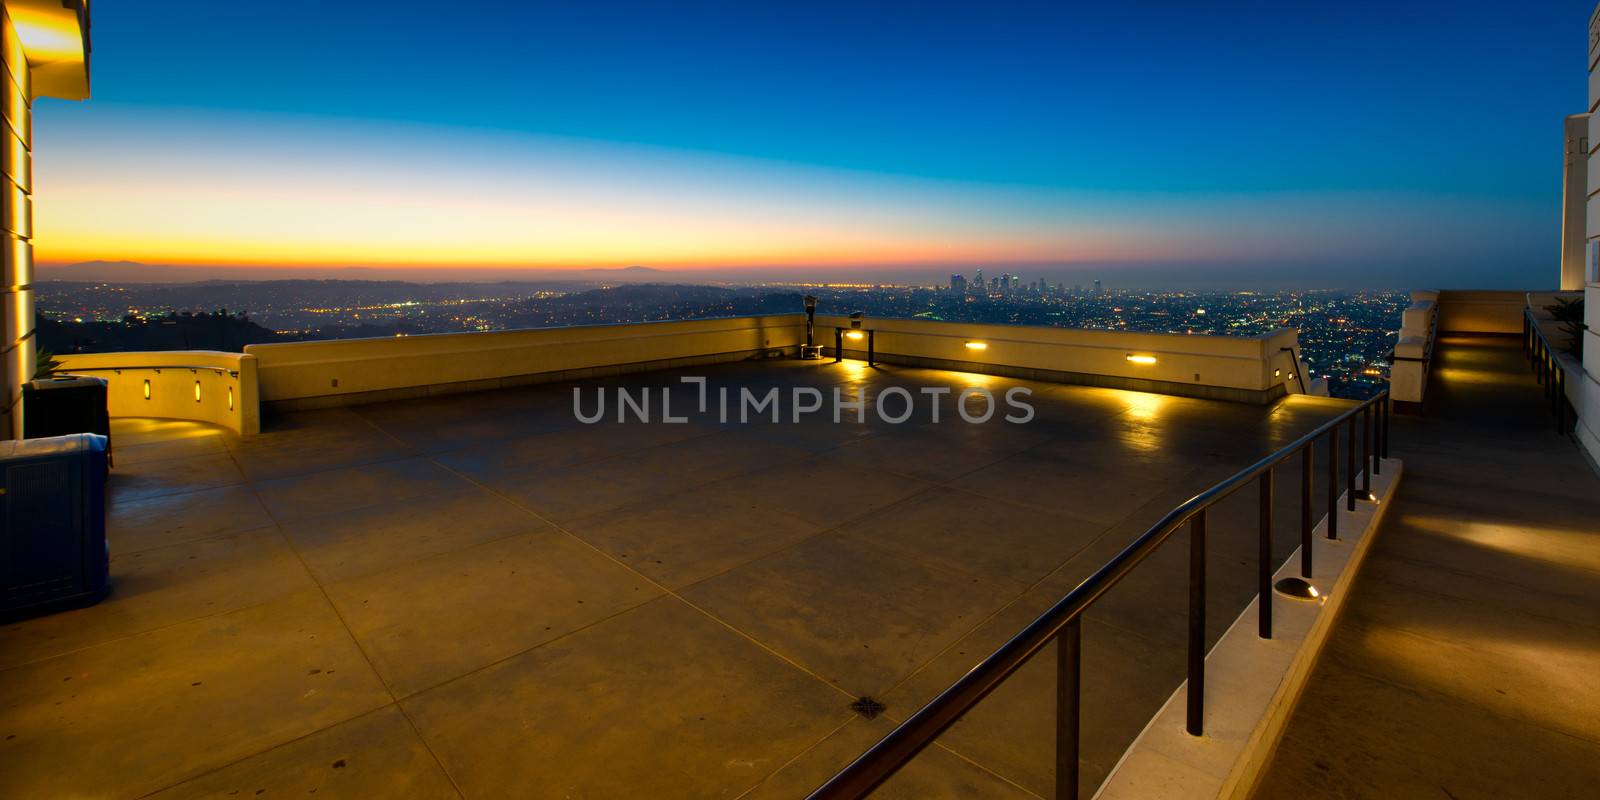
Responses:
[977,345]
[197,391]
[1141,359]
[1297,589]
[230,398]
[147,388]
[1277,373]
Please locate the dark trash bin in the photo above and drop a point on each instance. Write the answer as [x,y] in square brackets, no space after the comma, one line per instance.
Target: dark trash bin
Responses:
[64,405]
[53,542]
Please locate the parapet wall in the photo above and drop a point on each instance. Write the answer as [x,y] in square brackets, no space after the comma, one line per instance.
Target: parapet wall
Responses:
[1246,369]
[1492,312]
[204,385]
[341,371]
[224,388]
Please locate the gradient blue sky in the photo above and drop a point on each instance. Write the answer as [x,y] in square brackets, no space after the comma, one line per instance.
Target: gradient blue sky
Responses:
[1340,144]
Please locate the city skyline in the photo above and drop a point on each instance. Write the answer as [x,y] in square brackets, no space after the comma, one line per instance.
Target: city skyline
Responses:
[872,144]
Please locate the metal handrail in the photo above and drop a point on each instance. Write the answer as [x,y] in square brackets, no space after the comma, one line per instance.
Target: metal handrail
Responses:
[1062,620]
[1546,365]
[232,373]
[1298,371]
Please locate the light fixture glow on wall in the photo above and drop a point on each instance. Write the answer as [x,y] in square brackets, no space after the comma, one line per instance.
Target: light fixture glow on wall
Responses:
[856,335]
[977,345]
[197,391]
[1141,359]
[147,388]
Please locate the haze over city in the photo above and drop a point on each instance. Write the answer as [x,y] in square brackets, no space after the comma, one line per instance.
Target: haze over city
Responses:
[1152,145]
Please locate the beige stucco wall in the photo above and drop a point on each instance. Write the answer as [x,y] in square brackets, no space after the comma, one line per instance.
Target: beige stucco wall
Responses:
[1481,311]
[358,370]
[227,385]
[16,229]
[1248,364]
[351,367]
[319,373]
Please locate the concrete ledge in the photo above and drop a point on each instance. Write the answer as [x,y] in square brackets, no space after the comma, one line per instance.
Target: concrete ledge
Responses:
[1252,684]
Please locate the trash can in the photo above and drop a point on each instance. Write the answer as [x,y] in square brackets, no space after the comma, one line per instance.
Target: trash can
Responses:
[53,506]
[64,405]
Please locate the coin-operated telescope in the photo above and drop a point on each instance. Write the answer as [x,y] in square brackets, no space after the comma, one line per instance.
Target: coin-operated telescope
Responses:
[811,349]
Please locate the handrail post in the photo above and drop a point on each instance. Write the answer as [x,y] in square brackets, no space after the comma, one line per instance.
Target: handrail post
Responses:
[1350,465]
[1197,624]
[1366,451]
[872,347]
[1388,414]
[1561,400]
[1377,434]
[1305,511]
[1069,651]
[838,345]
[1333,482]
[1264,564]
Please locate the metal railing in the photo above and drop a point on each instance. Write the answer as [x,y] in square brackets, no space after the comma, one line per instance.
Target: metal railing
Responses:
[232,373]
[1062,622]
[1546,365]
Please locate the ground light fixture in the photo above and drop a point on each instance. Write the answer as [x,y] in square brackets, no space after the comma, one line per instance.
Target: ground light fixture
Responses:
[1297,589]
[1141,359]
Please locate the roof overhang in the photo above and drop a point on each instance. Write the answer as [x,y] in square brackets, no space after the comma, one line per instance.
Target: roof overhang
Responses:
[55,41]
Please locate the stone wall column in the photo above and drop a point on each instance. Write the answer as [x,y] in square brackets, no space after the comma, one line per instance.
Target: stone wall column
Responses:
[16,230]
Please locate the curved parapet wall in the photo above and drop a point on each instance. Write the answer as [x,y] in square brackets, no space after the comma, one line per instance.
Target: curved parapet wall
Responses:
[203,385]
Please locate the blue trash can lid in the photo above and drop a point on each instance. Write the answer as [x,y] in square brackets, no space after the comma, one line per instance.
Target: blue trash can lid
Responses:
[63,381]
[13,449]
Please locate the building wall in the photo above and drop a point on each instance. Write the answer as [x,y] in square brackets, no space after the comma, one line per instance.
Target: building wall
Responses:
[1588,405]
[1574,196]
[16,229]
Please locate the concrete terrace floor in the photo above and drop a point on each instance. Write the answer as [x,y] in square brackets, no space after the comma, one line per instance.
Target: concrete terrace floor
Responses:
[476,595]
[1464,664]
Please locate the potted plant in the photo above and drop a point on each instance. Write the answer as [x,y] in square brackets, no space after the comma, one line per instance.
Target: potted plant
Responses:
[1569,312]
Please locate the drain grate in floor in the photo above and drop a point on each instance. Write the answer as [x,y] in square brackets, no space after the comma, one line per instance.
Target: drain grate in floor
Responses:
[867,707]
